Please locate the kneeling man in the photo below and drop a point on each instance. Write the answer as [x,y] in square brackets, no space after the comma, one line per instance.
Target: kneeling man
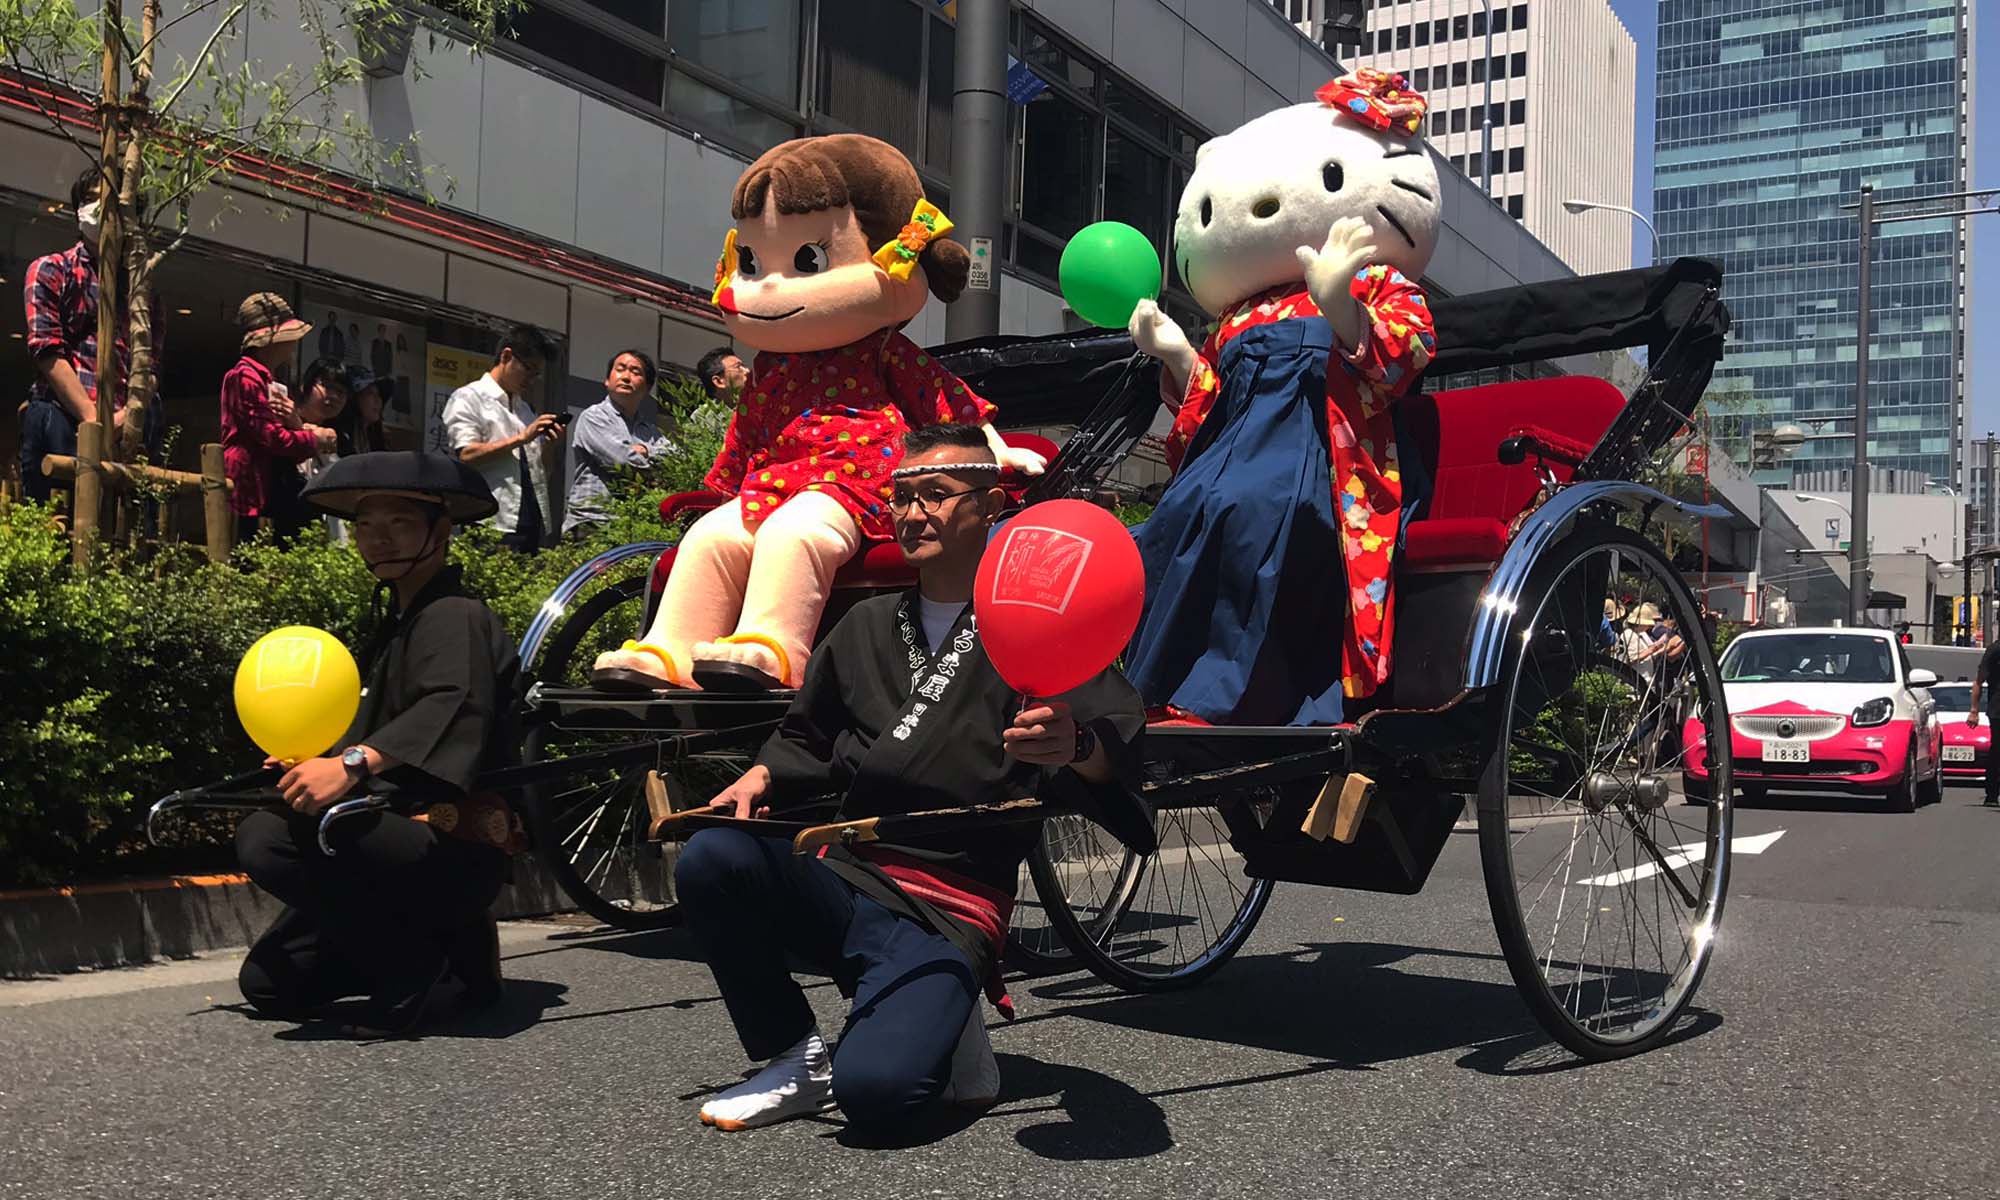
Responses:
[900,712]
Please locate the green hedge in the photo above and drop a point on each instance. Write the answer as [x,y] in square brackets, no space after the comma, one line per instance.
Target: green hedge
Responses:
[119,680]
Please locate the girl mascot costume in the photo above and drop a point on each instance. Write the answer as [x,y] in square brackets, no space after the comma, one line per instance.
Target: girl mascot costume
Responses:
[1304,233]
[834,251]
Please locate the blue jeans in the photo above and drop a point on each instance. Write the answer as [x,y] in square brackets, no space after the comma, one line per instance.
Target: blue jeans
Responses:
[750,902]
[45,429]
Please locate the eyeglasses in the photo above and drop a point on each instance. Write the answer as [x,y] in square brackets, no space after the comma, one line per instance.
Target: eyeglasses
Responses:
[927,501]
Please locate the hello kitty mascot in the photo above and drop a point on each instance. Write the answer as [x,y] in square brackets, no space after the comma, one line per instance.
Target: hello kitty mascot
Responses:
[834,251]
[1304,232]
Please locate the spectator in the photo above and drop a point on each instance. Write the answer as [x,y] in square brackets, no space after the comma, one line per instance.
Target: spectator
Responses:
[321,401]
[360,423]
[611,434]
[260,424]
[490,427]
[60,299]
[723,374]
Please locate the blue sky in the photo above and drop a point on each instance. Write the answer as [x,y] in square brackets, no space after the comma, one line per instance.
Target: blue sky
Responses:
[1983,337]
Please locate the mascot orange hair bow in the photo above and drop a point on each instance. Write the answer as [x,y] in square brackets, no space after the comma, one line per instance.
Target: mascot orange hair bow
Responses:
[900,257]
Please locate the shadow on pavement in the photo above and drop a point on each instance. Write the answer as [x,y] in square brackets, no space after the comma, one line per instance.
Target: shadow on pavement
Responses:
[1345,1005]
[522,1005]
[659,945]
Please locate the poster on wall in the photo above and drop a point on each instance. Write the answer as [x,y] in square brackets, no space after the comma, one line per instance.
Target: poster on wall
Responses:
[446,369]
[388,348]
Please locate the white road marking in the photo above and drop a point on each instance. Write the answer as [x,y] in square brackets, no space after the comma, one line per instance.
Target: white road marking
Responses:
[1694,852]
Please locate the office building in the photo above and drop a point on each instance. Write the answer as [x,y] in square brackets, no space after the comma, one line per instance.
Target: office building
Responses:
[1557,84]
[1771,116]
[590,159]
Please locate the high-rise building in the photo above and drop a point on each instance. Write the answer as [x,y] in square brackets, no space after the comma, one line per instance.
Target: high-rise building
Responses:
[1557,84]
[1982,491]
[1771,115]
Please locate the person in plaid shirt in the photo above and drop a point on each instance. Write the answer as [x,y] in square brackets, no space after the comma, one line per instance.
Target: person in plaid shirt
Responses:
[60,298]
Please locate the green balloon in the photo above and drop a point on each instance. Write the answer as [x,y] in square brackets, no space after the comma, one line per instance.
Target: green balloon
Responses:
[1106,269]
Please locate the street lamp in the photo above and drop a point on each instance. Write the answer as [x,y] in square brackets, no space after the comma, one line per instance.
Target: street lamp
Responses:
[1486,110]
[1767,446]
[1573,207]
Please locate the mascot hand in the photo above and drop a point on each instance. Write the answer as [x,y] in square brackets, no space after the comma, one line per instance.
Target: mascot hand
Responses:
[1350,246]
[1019,461]
[1156,333]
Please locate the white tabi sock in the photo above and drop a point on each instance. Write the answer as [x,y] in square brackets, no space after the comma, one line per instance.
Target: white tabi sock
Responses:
[975,1074]
[798,1082]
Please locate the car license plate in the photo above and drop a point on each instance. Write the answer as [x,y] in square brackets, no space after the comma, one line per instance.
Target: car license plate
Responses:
[1958,754]
[1788,752]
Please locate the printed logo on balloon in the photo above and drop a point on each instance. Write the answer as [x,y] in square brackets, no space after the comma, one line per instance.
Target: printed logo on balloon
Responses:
[1057,596]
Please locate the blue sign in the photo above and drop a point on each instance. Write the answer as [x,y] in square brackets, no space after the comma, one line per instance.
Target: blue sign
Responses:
[1023,85]
[1833,529]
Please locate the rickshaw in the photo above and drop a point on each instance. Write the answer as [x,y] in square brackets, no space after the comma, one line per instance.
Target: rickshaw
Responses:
[1509,694]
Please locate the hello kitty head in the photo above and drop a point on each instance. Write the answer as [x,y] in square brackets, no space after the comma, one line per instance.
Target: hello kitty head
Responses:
[1279,182]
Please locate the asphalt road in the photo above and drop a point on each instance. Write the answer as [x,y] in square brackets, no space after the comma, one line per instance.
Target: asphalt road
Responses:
[1844,1045]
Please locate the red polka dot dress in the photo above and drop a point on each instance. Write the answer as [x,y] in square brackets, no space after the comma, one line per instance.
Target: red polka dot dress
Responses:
[832,421]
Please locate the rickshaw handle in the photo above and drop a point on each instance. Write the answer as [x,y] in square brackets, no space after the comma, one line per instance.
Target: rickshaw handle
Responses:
[360,804]
[198,797]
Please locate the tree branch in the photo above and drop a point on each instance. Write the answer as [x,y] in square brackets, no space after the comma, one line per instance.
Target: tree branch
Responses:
[164,105]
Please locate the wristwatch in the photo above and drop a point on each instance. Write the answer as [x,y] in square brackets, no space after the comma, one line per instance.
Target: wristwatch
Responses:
[1086,741]
[355,759]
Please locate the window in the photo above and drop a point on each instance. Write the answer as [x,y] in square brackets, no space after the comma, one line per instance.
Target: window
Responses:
[1479,71]
[1135,186]
[1439,31]
[864,76]
[1519,64]
[596,55]
[1458,28]
[1479,23]
[1438,120]
[1382,38]
[1497,68]
[1059,175]
[1402,37]
[1520,20]
[752,43]
[1422,82]
[1423,33]
[1499,20]
[649,15]
[1514,207]
[937,127]
[745,123]
[1517,159]
[1517,112]
[1496,115]
[1458,120]
[1127,103]
[1458,74]
[1053,61]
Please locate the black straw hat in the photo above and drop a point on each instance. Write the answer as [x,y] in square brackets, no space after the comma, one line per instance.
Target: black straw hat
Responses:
[412,474]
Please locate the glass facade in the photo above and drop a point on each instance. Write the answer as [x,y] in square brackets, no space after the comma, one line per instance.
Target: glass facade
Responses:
[1770,118]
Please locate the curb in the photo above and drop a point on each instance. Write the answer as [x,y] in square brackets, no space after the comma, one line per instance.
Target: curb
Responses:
[52,931]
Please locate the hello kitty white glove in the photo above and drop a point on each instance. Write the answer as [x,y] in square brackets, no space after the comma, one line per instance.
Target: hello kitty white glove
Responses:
[1330,270]
[1157,334]
[1012,458]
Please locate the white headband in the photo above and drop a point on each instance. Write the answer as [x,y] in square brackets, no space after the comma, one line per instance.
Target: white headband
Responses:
[941,468]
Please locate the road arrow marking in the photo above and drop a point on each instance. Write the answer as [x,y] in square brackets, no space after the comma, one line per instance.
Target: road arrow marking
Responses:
[1694,852]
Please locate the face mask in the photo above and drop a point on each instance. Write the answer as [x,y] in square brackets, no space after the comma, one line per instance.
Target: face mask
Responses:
[87,222]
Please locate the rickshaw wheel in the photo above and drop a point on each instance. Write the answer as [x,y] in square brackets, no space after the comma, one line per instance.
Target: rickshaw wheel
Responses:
[1071,847]
[611,614]
[1162,922]
[1605,894]
[590,829]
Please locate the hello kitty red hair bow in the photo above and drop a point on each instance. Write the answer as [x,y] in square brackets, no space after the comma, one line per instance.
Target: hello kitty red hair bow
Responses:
[1377,99]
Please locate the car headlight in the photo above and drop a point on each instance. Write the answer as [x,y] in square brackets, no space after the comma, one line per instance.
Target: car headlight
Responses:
[1875,712]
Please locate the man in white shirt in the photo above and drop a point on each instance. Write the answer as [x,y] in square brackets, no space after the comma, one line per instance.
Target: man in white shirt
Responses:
[492,429]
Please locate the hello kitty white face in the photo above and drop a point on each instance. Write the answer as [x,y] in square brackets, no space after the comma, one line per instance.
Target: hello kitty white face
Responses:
[1279,182]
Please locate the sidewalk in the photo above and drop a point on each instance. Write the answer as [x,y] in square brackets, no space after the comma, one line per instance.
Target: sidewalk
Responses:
[49,931]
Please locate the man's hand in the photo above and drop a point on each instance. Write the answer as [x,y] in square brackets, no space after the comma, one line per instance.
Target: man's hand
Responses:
[1044,735]
[313,784]
[739,799]
[1972,719]
[542,428]
[325,440]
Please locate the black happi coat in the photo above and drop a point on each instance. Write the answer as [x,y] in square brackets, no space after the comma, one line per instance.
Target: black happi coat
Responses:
[439,696]
[840,739]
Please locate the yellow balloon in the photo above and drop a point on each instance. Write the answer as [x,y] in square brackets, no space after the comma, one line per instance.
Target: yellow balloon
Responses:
[297,691]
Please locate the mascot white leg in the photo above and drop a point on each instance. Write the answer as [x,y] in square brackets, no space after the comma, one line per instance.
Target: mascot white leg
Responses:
[703,599]
[798,549]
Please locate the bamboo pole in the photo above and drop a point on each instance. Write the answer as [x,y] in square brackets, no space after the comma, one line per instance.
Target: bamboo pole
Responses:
[120,476]
[216,522]
[87,468]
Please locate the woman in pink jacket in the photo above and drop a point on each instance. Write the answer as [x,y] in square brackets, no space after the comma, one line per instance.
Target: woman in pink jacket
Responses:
[259,423]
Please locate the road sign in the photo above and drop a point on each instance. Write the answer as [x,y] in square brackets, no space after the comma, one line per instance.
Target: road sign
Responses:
[981,277]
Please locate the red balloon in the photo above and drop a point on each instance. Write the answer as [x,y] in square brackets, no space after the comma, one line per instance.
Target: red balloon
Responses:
[1058,596]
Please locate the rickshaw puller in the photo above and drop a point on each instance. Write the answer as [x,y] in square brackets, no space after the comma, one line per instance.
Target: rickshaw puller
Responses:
[900,712]
[402,907]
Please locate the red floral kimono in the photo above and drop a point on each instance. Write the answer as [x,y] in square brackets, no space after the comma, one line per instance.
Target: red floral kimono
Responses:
[1368,485]
[832,421]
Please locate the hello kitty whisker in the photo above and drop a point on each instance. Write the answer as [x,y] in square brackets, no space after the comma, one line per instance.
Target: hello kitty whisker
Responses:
[1398,225]
[1402,151]
[1411,187]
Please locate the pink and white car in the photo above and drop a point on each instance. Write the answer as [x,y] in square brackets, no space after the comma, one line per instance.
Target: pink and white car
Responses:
[1827,709]
[1965,746]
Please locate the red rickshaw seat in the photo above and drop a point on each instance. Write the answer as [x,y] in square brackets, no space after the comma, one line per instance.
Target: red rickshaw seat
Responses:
[1473,495]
